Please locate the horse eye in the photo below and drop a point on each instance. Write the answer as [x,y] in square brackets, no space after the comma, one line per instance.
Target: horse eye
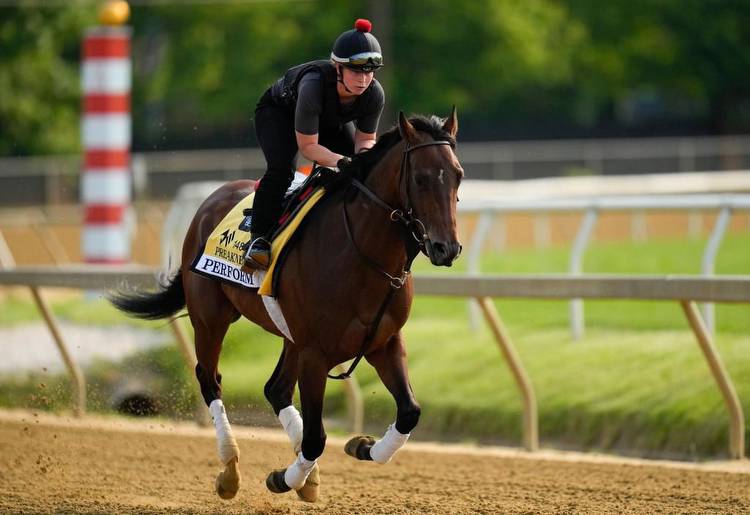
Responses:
[422,180]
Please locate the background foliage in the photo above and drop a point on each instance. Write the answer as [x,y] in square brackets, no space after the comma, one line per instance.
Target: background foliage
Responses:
[39,79]
[514,68]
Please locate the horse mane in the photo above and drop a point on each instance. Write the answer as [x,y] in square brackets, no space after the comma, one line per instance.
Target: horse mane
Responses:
[363,162]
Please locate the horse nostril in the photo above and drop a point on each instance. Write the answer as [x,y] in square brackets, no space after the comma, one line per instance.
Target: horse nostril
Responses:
[444,253]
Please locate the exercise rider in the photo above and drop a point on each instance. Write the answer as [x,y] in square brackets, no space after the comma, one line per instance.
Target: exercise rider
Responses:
[326,109]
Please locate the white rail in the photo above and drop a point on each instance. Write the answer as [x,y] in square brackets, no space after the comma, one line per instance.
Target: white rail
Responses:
[488,209]
[609,202]
[684,289]
[489,200]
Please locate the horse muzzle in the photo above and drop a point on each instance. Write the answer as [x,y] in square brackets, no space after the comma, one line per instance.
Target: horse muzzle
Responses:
[442,253]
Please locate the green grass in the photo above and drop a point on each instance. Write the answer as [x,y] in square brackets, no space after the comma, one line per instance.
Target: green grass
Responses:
[91,309]
[637,383]
[17,309]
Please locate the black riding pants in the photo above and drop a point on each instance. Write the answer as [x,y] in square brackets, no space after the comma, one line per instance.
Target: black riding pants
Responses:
[274,126]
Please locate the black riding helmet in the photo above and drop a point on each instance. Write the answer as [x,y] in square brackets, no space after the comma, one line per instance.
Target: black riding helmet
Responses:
[357,48]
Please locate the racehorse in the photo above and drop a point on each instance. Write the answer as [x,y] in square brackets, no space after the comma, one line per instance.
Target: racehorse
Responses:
[345,291]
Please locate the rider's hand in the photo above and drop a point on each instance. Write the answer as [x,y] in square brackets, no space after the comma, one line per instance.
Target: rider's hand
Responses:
[344,163]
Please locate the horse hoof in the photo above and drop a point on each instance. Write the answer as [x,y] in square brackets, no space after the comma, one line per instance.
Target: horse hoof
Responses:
[275,482]
[309,492]
[228,481]
[359,447]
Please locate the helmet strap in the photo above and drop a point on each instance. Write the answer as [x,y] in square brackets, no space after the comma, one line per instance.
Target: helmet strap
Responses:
[340,77]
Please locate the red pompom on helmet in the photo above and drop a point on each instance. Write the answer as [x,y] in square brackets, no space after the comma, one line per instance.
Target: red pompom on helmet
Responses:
[357,48]
[363,25]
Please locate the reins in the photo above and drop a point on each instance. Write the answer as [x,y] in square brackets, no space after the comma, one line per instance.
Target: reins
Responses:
[414,228]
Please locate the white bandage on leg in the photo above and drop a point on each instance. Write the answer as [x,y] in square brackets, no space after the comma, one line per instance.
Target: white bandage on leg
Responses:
[292,422]
[385,448]
[296,474]
[225,442]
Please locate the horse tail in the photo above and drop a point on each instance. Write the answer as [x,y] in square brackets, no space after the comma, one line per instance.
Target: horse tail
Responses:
[152,306]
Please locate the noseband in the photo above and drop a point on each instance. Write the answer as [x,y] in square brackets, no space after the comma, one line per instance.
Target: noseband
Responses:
[414,229]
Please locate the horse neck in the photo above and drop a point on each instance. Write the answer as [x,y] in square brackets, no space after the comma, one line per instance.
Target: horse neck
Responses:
[384,178]
[375,233]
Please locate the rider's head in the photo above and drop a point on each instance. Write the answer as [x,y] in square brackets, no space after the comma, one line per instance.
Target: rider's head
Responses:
[357,49]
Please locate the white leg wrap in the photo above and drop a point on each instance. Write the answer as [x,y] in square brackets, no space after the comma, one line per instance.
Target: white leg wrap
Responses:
[292,422]
[296,474]
[226,444]
[386,447]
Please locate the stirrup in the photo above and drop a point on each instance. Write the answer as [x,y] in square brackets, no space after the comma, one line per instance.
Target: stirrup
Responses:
[258,254]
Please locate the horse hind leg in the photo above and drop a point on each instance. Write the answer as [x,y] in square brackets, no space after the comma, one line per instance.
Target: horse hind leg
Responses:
[208,342]
[279,391]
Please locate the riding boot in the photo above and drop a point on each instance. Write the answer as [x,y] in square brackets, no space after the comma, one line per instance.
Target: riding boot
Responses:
[258,254]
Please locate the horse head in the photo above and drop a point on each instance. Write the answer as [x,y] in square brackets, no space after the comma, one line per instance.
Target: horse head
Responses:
[431,175]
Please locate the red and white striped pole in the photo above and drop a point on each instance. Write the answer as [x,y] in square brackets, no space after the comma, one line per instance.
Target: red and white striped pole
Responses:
[105,130]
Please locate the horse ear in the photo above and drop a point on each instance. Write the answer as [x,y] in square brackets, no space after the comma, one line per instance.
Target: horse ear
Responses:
[451,123]
[407,130]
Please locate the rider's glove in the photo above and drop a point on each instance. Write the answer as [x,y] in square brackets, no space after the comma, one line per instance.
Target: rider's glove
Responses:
[344,164]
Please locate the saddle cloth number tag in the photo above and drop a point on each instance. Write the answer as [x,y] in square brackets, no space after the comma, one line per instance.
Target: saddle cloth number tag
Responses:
[245,223]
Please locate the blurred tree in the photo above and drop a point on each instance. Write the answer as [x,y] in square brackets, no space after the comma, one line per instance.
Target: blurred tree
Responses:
[200,71]
[514,68]
[693,56]
[39,79]
[502,62]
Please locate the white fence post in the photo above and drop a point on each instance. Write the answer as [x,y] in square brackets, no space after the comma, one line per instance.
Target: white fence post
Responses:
[577,324]
[708,264]
[474,256]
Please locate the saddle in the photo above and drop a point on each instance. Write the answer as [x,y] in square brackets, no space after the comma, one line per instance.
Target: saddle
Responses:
[297,206]
[320,177]
[222,257]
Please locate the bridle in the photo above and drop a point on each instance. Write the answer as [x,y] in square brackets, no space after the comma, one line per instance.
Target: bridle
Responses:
[415,231]
[415,240]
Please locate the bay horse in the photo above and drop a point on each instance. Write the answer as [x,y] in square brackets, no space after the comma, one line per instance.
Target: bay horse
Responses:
[345,292]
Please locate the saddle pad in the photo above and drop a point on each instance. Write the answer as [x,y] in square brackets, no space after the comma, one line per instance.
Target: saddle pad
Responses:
[282,238]
[224,254]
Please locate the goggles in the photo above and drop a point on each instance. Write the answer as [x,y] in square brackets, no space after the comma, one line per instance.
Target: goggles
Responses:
[366,61]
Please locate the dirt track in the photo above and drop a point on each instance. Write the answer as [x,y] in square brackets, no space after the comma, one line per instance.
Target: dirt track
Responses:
[54,464]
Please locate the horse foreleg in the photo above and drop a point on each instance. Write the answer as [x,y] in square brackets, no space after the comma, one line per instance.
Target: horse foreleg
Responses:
[208,347]
[390,363]
[279,391]
[312,370]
